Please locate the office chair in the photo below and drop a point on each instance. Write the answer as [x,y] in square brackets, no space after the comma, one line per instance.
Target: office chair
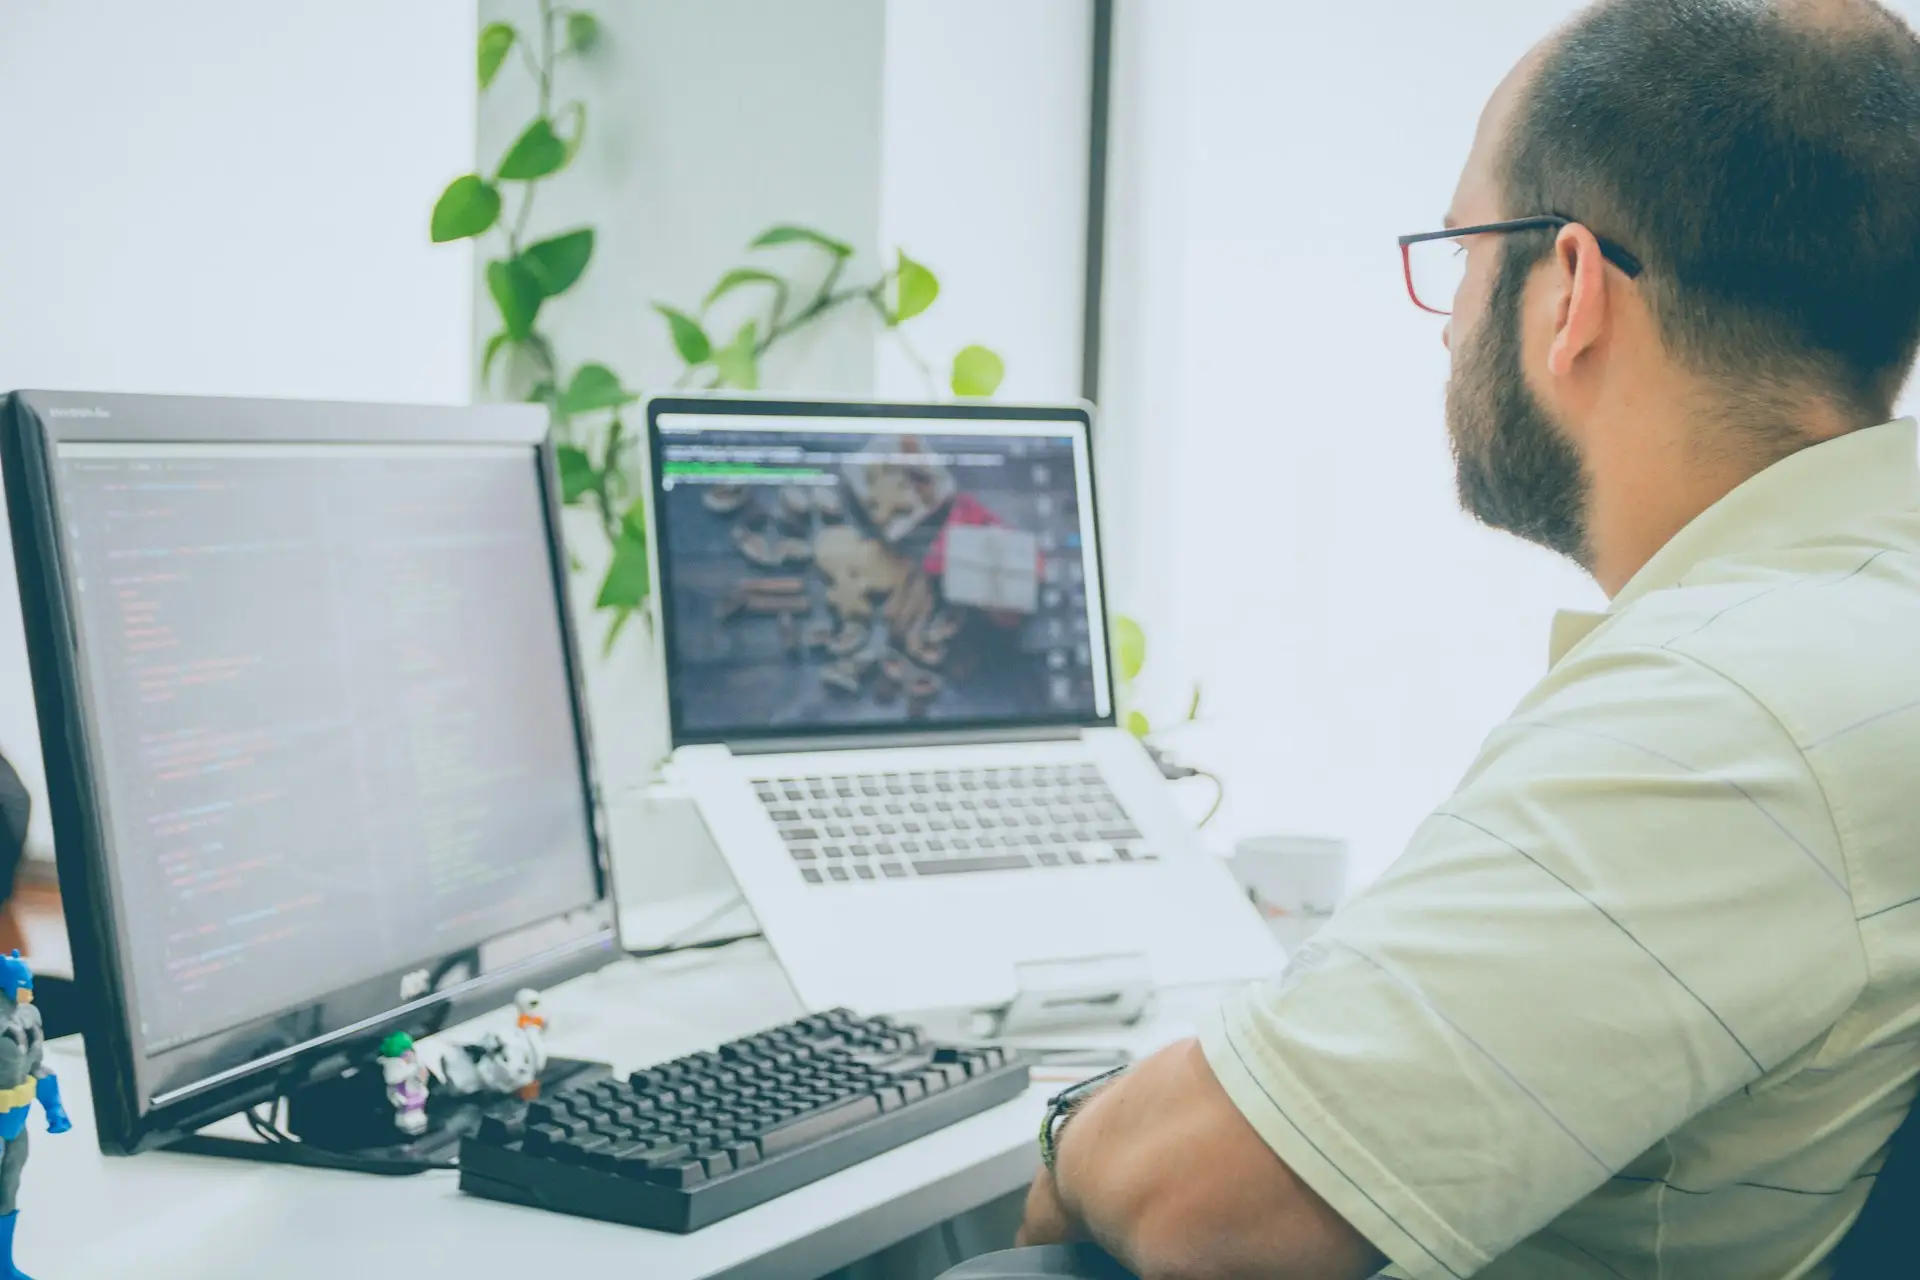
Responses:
[1883,1242]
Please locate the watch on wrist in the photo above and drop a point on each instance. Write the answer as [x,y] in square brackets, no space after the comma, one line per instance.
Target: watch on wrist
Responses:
[1060,1108]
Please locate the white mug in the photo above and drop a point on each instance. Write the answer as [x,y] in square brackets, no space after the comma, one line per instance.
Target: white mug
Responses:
[1295,882]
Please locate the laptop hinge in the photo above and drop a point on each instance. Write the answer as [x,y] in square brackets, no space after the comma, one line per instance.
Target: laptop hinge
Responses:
[881,741]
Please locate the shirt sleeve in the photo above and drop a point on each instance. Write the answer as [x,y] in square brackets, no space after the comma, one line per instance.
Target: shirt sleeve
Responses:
[1634,905]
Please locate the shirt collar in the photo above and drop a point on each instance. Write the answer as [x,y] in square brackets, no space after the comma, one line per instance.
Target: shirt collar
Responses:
[1798,498]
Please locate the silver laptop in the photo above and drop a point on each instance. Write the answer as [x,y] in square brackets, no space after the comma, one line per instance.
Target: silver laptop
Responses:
[892,702]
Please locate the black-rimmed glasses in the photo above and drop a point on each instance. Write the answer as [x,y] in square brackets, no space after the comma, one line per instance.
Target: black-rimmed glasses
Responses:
[1436,261]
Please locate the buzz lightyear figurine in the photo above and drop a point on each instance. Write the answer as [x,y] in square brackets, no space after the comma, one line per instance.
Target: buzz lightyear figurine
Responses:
[23,1079]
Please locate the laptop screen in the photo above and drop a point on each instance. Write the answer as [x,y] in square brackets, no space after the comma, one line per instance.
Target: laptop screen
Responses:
[824,574]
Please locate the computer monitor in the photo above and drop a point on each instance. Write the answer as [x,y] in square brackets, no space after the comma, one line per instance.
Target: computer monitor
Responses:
[830,571]
[313,725]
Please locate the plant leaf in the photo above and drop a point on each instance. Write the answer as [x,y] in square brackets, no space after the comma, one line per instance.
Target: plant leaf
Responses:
[743,276]
[1129,648]
[594,386]
[738,363]
[583,31]
[689,339]
[620,617]
[786,233]
[469,206]
[977,371]
[1193,705]
[494,345]
[576,112]
[628,574]
[517,294]
[558,262]
[534,154]
[1137,724]
[577,476]
[915,288]
[496,41]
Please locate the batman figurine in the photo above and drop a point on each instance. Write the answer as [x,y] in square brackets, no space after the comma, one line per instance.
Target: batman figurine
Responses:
[23,1078]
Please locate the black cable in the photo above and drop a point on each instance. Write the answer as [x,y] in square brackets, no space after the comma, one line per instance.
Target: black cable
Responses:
[678,940]
[951,1238]
[705,944]
[264,1127]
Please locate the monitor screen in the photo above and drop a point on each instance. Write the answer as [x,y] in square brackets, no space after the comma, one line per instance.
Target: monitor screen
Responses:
[829,575]
[331,712]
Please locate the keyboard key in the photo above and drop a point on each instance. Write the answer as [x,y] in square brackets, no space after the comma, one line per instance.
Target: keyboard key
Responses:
[893,871]
[953,866]
[818,1124]
[837,873]
[678,1177]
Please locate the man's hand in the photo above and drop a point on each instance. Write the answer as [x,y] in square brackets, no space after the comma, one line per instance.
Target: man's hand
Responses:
[1046,1220]
[1162,1170]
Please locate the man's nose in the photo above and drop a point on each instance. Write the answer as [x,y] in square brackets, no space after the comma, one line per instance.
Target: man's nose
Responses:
[1446,335]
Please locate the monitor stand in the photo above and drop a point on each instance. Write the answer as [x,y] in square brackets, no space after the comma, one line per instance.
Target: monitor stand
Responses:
[347,1123]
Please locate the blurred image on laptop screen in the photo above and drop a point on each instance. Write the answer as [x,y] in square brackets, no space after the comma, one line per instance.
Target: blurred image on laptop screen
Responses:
[847,575]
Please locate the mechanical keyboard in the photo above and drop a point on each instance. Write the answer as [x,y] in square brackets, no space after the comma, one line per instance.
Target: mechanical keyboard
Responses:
[843,829]
[681,1145]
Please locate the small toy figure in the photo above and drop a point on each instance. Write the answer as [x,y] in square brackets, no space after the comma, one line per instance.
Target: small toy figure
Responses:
[406,1078]
[496,1063]
[491,1064]
[532,1026]
[23,1078]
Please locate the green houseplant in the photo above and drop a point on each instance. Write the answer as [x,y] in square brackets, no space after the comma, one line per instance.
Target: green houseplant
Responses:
[586,398]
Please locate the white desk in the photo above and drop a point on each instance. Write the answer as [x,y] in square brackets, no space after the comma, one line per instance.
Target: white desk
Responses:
[88,1217]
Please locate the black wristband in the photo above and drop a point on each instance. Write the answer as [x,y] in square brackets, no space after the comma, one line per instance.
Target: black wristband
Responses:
[1061,1106]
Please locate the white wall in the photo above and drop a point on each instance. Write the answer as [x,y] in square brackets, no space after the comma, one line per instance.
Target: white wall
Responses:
[226,197]
[983,177]
[956,132]
[1285,519]
[1289,529]
[708,121]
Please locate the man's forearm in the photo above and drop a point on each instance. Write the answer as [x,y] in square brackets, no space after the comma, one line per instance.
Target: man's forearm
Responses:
[1162,1171]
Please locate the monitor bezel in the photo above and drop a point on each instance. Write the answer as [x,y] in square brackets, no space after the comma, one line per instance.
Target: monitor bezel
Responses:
[731,405]
[337,1030]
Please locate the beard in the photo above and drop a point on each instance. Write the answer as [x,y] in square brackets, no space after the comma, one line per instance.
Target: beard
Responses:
[1514,468]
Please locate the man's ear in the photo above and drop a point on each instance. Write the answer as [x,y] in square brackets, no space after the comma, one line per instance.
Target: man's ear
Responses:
[1579,281]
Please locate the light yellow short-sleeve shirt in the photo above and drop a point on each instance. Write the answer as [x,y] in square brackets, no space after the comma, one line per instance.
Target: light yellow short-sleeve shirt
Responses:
[1642,998]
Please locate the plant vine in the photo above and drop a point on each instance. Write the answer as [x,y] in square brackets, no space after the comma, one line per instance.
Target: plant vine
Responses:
[585,401]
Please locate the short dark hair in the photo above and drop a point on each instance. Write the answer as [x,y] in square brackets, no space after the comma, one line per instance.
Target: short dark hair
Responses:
[1763,161]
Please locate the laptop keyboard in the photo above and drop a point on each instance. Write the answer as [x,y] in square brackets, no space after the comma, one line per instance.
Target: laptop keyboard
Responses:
[850,828]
